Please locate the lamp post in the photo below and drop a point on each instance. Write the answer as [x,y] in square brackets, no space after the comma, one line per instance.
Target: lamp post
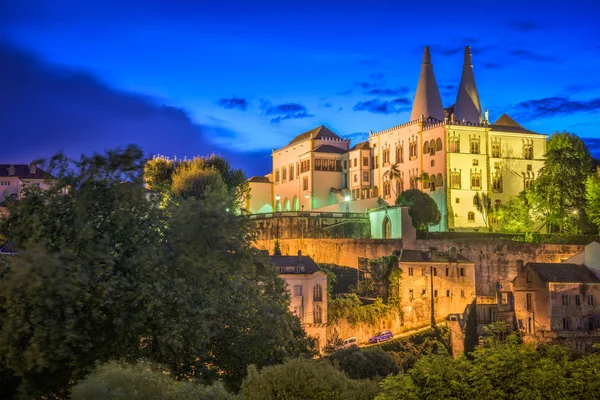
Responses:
[277,250]
[347,200]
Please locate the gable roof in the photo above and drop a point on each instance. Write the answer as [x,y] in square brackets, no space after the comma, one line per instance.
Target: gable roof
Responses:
[361,146]
[506,124]
[320,132]
[7,248]
[327,148]
[560,272]
[259,179]
[309,265]
[23,171]
[436,256]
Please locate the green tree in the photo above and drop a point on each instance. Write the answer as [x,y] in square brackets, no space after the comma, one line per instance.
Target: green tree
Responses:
[484,207]
[515,215]
[304,379]
[558,193]
[471,337]
[592,195]
[394,173]
[365,363]
[423,209]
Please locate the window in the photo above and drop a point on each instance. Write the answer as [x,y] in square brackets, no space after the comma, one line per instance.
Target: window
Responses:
[454,144]
[411,271]
[424,293]
[475,161]
[435,293]
[447,271]
[527,183]
[455,180]
[529,167]
[462,293]
[345,164]
[410,294]
[365,161]
[497,183]
[504,298]
[529,302]
[475,181]
[291,172]
[318,164]
[297,290]
[566,324]
[305,183]
[434,271]
[277,176]
[529,325]
[425,147]
[590,299]
[338,165]
[317,314]
[474,146]
[577,299]
[355,178]
[365,176]
[438,144]
[475,201]
[528,151]
[5,183]
[317,293]
[565,299]
[355,162]
[305,166]
[457,200]
[283,174]
[433,163]
[497,165]
[386,156]
[386,188]
[400,154]
[281,270]
[462,272]
[497,203]
[496,149]
[471,216]
[448,293]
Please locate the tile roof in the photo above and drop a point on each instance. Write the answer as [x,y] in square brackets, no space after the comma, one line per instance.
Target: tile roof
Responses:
[436,256]
[561,272]
[506,124]
[305,262]
[327,148]
[23,171]
[259,179]
[361,146]
[317,133]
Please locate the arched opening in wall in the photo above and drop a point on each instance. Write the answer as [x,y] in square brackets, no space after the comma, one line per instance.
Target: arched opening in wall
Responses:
[266,208]
[438,144]
[277,205]
[426,147]
[286,204]
[317,314]
[296,203]
[317,293]
[387,228]
[440,181]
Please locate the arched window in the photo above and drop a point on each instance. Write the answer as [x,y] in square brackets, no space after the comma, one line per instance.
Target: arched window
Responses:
[426,147]
[286,205]
[317,293]
[438,144]
[387,228]
[440,181]
[475,200]
[317,314]
[296,203]
[471,216]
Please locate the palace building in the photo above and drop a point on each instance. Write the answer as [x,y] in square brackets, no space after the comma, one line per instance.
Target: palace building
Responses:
[453,154]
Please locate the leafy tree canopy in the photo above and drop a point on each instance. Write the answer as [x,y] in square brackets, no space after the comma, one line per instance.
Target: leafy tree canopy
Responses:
[515,215]
[423,209]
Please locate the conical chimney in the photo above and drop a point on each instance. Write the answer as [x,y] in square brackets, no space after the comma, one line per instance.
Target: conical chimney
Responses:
[468,106]
[427,102]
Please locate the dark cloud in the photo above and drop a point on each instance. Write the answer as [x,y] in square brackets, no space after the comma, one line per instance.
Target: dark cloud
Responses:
[593,145]
[377,106]
[375,80]
[47,108]
[234,103]
[447,89]
[447,52]
[579,88]
[523,54]
[284,111]
[388,92]
[357,137]
[493,65]
[554,106]
[523,26]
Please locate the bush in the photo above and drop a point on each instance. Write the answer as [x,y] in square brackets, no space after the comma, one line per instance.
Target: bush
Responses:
[143,381]
[304,379]
[365,364]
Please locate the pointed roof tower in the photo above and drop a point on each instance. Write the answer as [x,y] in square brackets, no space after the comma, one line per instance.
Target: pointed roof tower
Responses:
[427,99]
[468,106]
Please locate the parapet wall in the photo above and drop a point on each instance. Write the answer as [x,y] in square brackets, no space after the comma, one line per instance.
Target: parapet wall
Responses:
[495,260]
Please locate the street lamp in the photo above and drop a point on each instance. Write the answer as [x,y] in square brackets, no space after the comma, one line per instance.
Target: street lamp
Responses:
[347,200]
[277,250]
[277,204]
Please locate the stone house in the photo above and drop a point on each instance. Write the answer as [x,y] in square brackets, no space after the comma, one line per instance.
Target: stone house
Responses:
[558,301]
[14,178]
[446,275]
[307,286]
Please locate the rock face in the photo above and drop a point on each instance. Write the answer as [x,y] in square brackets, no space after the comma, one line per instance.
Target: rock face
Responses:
[495,260]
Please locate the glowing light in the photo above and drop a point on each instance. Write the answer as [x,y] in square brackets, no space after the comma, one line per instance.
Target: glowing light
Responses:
[347,198]
[277,197]
[306,195]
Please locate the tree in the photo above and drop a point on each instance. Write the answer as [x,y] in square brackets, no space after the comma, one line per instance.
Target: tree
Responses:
[592,195]
[394,173]
[423,209]
[558,193]
[304,379]
[471,337]
[484,207]
[365,363]
[514,215]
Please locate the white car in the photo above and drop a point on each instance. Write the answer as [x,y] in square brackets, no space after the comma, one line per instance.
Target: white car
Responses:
[350,342]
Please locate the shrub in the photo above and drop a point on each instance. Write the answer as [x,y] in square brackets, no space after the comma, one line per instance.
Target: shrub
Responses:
[365,364]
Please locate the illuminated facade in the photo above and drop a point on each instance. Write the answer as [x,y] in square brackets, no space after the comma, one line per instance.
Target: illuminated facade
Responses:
[14,178]
[452,154]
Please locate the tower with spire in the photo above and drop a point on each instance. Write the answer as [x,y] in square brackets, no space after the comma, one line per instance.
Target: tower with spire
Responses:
[428,102]
[468,106]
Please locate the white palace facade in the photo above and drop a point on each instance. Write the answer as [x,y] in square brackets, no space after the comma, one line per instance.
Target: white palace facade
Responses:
[452,154]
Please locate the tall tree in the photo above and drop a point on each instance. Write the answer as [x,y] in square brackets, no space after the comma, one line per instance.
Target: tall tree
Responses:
[592,195]
[484,207]
[471,337]
[423,209]
[515,215]
[558,193]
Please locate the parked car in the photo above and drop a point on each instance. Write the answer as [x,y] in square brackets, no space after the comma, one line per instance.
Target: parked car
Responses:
[350,342]
[381,336]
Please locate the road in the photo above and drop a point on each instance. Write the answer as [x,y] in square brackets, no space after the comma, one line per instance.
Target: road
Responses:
[398,336]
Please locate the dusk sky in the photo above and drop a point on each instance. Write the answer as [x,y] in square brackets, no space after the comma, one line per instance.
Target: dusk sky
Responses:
[239,78]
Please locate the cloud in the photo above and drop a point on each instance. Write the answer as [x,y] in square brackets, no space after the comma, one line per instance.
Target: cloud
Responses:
[284,111]
[593,145]
[493,65]
[580,88]
[357,137]
[523,26]
[46,108]
[388,92]
[326,105]
[554,106]
[375,80]
[377,106]
[447,52]
[234,103]
[447,90]
[524,54]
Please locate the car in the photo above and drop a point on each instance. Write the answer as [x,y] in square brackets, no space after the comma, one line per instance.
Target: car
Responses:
[349,343]
[382,336]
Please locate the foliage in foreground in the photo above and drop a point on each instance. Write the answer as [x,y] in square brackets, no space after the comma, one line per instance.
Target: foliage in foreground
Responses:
[305,379]
[142,381]
[423,209]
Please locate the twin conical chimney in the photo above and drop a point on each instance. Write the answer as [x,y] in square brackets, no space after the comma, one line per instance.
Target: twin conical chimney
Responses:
[428,101]
[468,106]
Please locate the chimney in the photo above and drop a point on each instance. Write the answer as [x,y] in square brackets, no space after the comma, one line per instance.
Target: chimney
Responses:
[468,106]
[32,168]
[11,170]
[299,253]
[428,101]
[452,255]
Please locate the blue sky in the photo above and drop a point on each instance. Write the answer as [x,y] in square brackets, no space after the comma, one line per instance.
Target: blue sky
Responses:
[240,78]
